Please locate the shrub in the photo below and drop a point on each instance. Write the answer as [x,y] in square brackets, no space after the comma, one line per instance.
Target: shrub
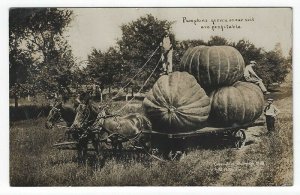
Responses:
[28,112]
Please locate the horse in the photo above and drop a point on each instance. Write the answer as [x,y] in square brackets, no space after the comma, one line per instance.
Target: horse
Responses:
[88,120]
[127,126]
[57,112]
[85,116]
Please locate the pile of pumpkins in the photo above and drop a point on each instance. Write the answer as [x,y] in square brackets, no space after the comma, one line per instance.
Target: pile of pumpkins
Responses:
[206,92]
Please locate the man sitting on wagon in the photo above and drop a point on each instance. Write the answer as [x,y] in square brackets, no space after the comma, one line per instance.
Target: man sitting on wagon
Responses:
[252,77]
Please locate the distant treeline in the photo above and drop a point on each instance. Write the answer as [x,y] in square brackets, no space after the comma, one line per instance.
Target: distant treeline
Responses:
[25,112]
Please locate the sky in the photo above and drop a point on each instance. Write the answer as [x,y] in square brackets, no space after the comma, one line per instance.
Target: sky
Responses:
[100,27]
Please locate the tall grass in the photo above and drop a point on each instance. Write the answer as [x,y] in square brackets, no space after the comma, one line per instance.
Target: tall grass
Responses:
[267,161]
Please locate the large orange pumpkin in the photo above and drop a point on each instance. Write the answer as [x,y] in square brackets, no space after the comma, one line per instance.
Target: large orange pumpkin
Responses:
[241,103]
[177,103]
[213,66]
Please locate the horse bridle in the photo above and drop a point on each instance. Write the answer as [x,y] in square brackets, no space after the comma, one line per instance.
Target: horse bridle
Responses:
[86,116]
[57,111]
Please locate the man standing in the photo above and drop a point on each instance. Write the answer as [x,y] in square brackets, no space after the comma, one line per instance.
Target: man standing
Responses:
[166,54]
[252,77]
[271,112]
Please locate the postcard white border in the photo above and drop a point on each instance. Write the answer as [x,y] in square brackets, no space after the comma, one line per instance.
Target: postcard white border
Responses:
[4,130]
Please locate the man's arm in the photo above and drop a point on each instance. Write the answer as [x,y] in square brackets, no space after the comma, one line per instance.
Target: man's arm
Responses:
[253,73]
[276,110]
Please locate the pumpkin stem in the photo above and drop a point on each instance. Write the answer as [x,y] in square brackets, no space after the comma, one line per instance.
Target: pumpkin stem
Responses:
[171,109]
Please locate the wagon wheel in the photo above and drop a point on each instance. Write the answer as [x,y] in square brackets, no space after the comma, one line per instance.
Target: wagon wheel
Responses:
[239,138]
[144,141]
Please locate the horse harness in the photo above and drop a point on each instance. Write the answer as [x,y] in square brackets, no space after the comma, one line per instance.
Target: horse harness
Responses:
[57,111]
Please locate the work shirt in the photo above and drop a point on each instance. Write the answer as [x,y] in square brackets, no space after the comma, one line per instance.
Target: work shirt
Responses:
[271,110]
[247,71]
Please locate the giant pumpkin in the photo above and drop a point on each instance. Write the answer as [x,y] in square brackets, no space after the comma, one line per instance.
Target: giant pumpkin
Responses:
[213,66]
[177,103]
[241,103]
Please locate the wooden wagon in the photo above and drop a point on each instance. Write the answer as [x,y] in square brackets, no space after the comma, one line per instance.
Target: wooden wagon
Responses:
[153,142]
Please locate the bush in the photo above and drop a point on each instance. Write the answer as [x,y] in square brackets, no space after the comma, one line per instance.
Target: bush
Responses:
[26,112]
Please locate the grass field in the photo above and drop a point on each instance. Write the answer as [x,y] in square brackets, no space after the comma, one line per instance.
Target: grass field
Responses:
[267,160]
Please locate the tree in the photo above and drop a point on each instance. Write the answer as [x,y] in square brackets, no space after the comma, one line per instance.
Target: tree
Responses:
[105,68]
[274,67]
[271,65]
[248,50]
[19,60]
[37,47]
[216,40]
[139,40]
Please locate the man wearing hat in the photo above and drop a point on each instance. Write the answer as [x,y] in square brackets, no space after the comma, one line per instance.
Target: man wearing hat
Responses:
[166,54]
[270,112]
[252,77]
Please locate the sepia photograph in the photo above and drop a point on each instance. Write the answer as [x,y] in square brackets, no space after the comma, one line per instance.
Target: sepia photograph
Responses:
[185,96]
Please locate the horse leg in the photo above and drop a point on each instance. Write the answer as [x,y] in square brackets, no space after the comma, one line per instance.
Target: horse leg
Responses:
[120,145]
[67,135]
[100,157]
[95,143]
[82,150]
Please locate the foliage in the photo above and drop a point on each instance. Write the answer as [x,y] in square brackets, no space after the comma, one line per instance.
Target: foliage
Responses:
[271,65]
[216,40]
[118,65]
[139,40]
[105,67]
[26,112]
[248,50]
[39,55]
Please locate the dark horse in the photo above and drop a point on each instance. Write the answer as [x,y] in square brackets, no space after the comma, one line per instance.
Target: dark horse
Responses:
[88,119]
[80,130]
[59,111]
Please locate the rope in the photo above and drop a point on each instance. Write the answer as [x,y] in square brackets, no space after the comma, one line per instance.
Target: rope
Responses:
[140,69]
[141,87]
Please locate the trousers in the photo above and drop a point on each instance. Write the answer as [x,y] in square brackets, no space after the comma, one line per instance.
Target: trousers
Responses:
[257,82]
[270,120]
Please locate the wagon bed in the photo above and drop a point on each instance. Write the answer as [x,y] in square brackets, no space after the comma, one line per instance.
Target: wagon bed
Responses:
[234,135]
[170,142]
[204,131]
